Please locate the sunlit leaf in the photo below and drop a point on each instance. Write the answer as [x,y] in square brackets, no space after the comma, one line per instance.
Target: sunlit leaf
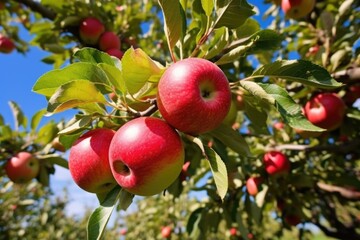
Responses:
[19,117]
[92,55]
[233,13]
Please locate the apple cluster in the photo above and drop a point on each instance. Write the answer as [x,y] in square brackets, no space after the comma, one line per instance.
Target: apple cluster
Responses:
[22,167]
[296,9]
[146,154]
[93,33]
[6,44]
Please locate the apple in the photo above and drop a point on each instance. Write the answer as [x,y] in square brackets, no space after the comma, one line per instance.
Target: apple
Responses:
[252,185]
[325,110]
[239,101]
[184,171]
[352,94]
[146,156]
[292,219]
[233,231]
[115,52]
[90,30]
[278,125]
[89,162]
[123,232]
[2,5]
[166,232]
[231,115]
[276,163]
[109,40]
[6,44]
[297,8]
[194,96]
[22,167]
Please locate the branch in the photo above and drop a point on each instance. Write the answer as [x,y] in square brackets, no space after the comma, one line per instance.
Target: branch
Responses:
[39,8]
[344,192]
[351,74]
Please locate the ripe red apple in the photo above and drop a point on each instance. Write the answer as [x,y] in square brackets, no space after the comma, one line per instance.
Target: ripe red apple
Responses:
[276,163]
[123,231]
[22,167]
[297,8]
[166,232]
[89,161]
[325,110]
[278,125]
[90,30]
[146,156]
[109,40]
[6,44]
[233,231]
[194,96]
[252,185]
[352,94]
[115,52]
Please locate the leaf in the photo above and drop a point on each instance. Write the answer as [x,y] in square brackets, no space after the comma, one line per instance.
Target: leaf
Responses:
[232,139]
[48,83]
[288,108]
[208,6]
[36,118]
[301,71]
[80,122]
[115,76]
[47,133]
[125,199]
[137,69]
[172,16]
[218,42]
[234,54]
[19,117]
[233,13]
[92,55]
[74,94]
[100,217]
[57,160]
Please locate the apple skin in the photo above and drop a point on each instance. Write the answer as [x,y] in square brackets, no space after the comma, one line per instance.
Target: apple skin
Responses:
[89,162]
[297,8]
[90,30]
[325,110]
[252,185]
[109,40]
[352,94]
[22,167]
[194,96]
[233,231]
[6,45]
[115,52]
[166,232]
[146,156]
[123,232]
[276,163]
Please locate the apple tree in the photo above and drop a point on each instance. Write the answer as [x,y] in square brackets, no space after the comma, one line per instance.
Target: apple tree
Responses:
[240,118]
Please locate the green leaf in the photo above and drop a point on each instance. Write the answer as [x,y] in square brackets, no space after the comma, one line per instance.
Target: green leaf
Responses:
[79,123]
[250,27]
[218,42]
[19,117]
[48,83]
[93,55]
[47,133]
[288,108]
[68,140]
[100,217]
[115,76]
[234,54]
[74,94]
[125,199]
[57,160]
[172,16]
[36,118]
[233,13]
[232,139]
[208,6]
[301,71]
[137,69]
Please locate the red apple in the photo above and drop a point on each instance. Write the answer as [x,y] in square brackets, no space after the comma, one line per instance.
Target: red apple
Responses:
[297,8]
[194,96]
[352,94]
[89,161]
[146,156]
[276,163]
[278,125]
[115,52]
[166,232]
[292,219]
[123,231]
[90,30]
[22,167]
[325,110]
[239,101]
[184,171]
[109,40]
[6,45]
[252,185]
[233,231]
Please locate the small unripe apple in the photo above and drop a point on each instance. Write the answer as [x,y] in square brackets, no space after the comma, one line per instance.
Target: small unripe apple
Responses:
[115,52]
[352,94]
[146,156]
[91,29]
[233,231]
[252,185]
[109,40]
[276,163]
[6,45]
[166,231]
[325,110]
[297,8]
[89,161]
[194,96]
[22,167]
